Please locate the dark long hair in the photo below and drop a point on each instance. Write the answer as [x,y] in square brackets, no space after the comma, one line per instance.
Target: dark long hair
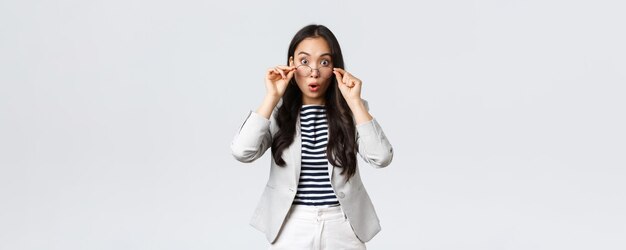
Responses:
[341,148]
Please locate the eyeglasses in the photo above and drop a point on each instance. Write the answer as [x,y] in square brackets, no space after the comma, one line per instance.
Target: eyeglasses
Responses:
[306,70]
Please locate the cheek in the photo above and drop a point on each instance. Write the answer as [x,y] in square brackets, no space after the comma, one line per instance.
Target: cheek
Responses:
[299,76]
[328,81]
[300,80]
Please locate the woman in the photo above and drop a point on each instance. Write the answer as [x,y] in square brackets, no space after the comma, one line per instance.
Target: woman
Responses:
[315,121]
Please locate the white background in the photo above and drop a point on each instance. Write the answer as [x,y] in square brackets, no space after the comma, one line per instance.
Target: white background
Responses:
[507,120]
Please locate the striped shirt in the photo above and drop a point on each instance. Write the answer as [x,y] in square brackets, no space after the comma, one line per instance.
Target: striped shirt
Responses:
[314,187]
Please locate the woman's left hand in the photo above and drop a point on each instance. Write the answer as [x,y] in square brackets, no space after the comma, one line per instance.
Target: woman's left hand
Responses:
[350,88]
[349,85]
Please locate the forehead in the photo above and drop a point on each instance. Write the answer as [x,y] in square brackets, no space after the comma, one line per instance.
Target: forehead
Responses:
[314,46]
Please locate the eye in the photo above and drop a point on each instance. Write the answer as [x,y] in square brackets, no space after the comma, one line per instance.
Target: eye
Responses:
[325,63]
[304,61]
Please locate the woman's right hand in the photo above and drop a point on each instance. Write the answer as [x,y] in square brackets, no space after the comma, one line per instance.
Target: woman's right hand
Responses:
[277,79]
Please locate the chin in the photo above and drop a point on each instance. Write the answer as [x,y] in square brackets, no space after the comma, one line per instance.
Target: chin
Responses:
[314,95]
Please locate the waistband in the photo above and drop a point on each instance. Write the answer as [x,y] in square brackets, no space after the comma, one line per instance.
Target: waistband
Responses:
[317,213]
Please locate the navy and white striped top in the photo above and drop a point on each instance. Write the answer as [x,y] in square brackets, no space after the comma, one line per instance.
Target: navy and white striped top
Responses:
[314,187]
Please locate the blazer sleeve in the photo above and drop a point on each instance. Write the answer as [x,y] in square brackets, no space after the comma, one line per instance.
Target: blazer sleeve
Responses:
[253,139]
[373,145]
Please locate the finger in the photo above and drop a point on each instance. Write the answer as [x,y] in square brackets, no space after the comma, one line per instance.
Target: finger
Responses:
[347,82]
[338,76]
[271,72]
[286,68]
[290,74]
[355,82]
[281,72]
[347,77]
[344,76]
[340,70]
[275,72]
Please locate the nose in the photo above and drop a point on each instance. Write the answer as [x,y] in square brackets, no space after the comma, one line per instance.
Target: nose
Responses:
[315,73]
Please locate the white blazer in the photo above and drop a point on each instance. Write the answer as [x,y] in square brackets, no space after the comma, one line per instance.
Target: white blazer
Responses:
[255,137]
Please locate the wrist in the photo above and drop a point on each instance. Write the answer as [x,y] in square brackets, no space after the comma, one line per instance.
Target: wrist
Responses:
[359,111]
[272,98]
[267,106]
[355,103]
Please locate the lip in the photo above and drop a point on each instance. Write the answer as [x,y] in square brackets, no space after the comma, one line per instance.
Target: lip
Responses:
[314,87]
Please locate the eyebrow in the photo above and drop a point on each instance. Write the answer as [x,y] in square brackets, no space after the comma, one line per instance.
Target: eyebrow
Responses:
[325,54]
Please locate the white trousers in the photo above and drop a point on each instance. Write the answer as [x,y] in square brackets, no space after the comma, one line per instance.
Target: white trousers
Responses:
[316,228]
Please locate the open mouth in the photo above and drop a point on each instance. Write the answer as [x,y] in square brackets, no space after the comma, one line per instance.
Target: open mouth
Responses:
[313,87]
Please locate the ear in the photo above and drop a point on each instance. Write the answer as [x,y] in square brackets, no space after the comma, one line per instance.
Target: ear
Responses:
[291,61]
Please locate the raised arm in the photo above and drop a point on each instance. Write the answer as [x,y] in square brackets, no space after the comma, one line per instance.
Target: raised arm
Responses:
[373,145]
[254,136]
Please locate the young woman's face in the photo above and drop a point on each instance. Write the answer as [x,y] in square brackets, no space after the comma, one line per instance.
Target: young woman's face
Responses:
[314,69]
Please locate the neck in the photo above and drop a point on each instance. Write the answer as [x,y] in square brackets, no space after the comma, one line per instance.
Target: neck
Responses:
[309,101]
